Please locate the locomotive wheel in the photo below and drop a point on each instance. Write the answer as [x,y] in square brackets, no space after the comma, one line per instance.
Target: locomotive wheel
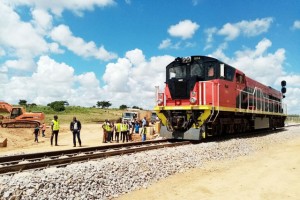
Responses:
[4,125]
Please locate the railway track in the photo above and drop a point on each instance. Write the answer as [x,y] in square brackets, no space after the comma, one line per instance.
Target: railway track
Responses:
[255,133]
[18,163]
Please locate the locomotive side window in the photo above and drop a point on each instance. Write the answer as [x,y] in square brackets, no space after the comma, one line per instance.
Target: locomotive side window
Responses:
[196,70]
[210,71]
[229,73]
[240,78]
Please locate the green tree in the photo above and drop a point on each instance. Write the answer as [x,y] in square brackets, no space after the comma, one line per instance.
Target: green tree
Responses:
[135,107]
[123,107]
[103,104]
[57,105]
[22,102]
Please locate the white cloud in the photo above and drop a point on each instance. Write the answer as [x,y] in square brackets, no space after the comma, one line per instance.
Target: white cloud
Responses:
[296,24]
[52,81]
[184,29]
[266,67]
[2,52]
[292,99]
[247,28]
[210,32]
[116,76]
[58,6]
[20,37]
[42,20]
[168,44]
[127,81]
[64,36]
[230,31]
[135,56]
[257,63]
[25,63]
[165,44]
[54,47]
[256,27]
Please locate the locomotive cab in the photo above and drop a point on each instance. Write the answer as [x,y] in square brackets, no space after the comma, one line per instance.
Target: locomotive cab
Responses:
[183,74]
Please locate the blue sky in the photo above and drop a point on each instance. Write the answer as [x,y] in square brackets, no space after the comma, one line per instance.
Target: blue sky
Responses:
[85,51]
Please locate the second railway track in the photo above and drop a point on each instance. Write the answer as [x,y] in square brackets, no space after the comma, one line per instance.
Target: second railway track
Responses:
[17,163]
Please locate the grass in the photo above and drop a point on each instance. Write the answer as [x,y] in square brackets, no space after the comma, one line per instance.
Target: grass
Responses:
[293,119]
[85,115]
[95,115]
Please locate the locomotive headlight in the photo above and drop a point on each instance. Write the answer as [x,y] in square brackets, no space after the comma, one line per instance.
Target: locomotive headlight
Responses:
[193,94]
[193,100]
[160,99]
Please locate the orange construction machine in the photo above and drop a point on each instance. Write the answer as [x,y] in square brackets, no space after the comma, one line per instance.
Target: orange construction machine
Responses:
[19,118]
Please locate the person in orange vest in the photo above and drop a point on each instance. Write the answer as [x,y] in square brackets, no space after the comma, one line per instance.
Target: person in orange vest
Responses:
[43,127]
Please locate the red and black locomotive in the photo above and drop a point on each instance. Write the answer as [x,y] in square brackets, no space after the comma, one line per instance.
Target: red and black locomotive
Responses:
[205,97]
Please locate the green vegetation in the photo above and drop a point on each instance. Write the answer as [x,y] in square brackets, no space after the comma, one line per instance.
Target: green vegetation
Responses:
[293,119]
[103,104]
[85,115]
[58,105]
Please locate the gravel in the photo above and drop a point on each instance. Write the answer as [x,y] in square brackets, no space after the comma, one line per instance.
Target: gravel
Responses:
[111,177]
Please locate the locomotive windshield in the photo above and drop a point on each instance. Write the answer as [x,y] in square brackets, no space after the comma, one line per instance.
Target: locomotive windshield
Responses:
[197,69]
[178,71]
[183,73]
[183,70]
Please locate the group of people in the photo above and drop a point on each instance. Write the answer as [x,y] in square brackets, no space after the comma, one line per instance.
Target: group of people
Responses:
[123,130]
[119,131]
[75,127]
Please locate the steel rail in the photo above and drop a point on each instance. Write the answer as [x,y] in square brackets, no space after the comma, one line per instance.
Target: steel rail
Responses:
[40,155]
[80,157]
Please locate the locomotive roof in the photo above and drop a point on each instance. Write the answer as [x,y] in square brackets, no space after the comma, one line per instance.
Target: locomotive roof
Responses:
[198,57]
[195,57]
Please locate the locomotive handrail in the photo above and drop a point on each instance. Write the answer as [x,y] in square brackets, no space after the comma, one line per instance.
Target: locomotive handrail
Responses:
[213,108]
[262,100]
[213,100]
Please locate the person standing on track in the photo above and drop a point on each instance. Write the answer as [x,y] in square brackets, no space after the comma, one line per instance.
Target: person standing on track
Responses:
[55,130]
[75,127]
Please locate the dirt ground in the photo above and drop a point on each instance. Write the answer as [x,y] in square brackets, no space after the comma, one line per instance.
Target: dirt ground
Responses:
[272,173]
[22,140]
